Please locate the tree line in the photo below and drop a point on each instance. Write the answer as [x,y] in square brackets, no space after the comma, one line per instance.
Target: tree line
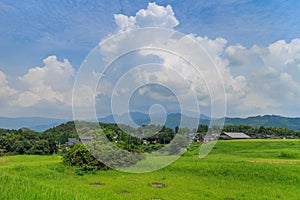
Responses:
[251,130]
[144,139]
[25,141]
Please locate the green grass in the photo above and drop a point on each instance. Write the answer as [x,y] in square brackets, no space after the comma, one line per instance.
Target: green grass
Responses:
[243,169]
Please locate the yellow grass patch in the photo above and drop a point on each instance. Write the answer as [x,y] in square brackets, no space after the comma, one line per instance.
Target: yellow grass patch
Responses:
[280,161]
[2,159]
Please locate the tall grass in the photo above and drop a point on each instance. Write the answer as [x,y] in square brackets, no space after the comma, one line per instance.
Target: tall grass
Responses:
[252,169]
[287,153]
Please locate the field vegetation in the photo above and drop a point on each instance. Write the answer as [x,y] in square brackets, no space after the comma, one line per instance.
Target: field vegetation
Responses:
[236,169]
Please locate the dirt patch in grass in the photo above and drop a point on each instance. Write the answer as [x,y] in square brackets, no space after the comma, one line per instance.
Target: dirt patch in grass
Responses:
[124,192]
[159,185]
[97,184]
[278,161]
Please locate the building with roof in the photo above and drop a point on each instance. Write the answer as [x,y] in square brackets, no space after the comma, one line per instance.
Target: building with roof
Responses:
[234,135]
[71,141]
[85,139]
[82,140]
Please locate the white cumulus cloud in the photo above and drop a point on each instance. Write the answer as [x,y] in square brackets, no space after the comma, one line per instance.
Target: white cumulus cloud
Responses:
[272,77]
[153,16]
[52,83]
[5,89]
[257,79]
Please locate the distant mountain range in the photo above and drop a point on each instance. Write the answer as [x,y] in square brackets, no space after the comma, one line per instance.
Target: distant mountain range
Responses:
[266,120]
[34,123]
[40,124]
[139,119]
[174,119]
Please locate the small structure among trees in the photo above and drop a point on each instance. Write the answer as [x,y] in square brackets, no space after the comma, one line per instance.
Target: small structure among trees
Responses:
[82,140]
[71,141]
[234,135]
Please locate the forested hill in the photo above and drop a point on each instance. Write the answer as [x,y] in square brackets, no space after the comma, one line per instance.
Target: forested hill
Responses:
[266,120]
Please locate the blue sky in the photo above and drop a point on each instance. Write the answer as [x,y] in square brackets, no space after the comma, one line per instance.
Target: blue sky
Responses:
[30,31]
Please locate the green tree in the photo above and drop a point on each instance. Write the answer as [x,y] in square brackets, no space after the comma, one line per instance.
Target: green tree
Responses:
[164,136]
[22,146]
[202,128]
[176,129]
[78,155]
[41,147]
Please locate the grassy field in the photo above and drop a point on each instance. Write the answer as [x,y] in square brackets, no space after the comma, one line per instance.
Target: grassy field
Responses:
[244,169]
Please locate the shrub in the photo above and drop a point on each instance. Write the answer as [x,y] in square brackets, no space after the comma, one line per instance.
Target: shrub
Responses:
[114,156]
[78,155]
[289,153]
[108,156]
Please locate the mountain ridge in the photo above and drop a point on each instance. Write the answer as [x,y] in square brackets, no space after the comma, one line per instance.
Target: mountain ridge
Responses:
[38,124]
[173,119]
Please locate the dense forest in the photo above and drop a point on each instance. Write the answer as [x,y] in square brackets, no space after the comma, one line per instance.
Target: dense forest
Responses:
[26,141]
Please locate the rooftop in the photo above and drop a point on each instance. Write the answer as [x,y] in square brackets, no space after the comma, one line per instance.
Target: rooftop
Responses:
[236,135]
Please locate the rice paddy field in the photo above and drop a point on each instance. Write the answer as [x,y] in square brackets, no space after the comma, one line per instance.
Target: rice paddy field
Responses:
[236,169]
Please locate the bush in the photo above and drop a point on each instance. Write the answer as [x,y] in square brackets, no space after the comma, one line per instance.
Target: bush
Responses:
[149,148]
[289,153]
[114,156]
[78,155]
[108,156]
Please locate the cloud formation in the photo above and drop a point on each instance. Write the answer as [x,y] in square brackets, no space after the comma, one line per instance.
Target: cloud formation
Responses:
[5,90]
[153,16]
[257,79]
[49,86]
[51,83]
[271,74]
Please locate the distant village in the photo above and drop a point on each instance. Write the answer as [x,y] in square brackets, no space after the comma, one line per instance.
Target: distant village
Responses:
[235,136]
[196,137]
